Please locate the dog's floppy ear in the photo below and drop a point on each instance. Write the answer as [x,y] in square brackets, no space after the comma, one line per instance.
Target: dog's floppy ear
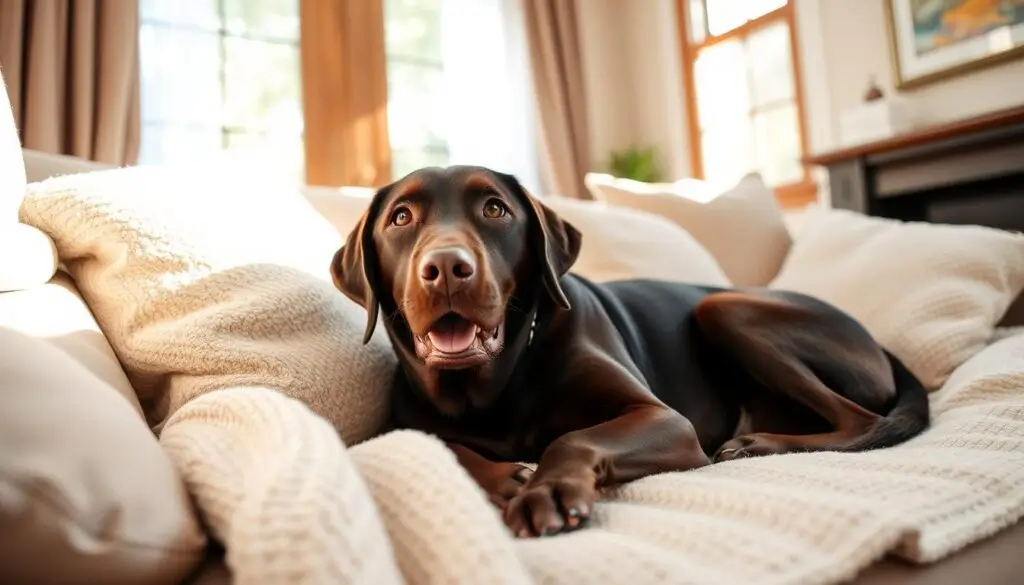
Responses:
[555,241]
[354,266]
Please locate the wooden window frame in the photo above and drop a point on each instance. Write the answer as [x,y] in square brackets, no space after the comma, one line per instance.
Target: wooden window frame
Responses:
[797,194]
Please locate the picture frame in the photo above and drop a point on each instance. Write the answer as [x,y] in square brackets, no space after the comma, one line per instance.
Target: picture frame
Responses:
[930,40]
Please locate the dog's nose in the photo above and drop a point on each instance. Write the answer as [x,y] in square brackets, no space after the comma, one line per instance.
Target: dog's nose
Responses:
[447,268]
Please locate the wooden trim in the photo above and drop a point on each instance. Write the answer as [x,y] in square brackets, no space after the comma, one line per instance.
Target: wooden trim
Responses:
[796,195]
[689,90]
[798,85]
[742,30]
[983,122]
[793,195]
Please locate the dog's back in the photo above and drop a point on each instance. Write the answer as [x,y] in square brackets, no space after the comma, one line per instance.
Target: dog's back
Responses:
[654,318]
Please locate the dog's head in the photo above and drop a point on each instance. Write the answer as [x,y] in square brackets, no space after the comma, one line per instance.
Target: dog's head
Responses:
[457,260]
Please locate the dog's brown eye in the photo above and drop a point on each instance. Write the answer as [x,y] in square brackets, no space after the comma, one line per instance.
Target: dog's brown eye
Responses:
[494,209]
[401,217]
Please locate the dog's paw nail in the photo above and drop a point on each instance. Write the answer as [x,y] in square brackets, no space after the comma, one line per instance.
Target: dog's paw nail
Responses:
[523,533]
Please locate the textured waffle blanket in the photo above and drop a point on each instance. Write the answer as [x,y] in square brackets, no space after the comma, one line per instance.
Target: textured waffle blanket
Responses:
[249,364]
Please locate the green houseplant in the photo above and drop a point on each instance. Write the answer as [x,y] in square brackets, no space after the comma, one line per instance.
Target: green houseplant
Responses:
[637,163]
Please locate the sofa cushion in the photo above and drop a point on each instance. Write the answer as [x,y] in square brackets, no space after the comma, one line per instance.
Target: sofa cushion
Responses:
[622,243]
[341,207]
[12,169]
[86,493]
[27,257]
[741,225]
[930,293]
[55,312]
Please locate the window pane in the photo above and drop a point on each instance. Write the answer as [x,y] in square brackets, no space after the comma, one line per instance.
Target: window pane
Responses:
[194,13]
[695,18]
[771,64]
[407,160]
[778,144]
[413,29]
[416,105]
[262,86]
[728,151]
[280,153]
[180,76]
[720,73]
[725,15]
[275,19]
[178,143]
[756,8]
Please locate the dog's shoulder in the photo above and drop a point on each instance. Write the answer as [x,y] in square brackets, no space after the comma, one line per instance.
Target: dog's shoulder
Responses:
[638,297]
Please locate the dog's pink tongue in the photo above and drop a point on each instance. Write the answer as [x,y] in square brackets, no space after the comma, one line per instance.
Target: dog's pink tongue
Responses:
[453,338]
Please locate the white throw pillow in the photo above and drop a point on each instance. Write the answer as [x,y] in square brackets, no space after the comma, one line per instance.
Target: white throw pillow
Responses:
[621,243]
[741,225]
[930,293]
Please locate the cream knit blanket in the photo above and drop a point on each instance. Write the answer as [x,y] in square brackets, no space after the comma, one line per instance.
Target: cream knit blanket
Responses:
[248,362]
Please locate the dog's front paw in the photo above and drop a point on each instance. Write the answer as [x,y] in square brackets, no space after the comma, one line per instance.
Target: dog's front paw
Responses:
[503,481]
[551,504]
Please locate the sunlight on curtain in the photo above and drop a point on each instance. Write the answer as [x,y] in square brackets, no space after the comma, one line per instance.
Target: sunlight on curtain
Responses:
[489,117]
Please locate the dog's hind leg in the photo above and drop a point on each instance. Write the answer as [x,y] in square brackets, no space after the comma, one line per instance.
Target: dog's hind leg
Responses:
[811,353]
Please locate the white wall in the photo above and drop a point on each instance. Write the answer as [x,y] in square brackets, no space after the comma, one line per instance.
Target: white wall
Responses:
[634,80]
[856,46]
[635,86]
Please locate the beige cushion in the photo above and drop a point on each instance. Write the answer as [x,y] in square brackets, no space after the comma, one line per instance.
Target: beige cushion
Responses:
[43,165]
[28,257]
[621,243]
[741,225]
[930,293]
[86,493]
[56,313]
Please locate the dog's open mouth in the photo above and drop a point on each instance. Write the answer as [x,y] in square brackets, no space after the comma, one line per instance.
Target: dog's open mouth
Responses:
[455,342]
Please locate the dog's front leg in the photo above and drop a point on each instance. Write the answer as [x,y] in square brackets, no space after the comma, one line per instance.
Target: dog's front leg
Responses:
[560,495]
[500,481]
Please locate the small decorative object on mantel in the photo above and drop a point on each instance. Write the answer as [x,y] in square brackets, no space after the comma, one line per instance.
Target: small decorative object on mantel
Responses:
[874,92]
[876,117]
[935,39]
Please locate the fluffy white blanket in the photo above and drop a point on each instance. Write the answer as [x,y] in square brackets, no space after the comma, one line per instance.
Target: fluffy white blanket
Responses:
[249,363]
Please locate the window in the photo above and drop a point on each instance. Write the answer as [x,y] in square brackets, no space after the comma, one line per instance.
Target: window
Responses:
[459,86]
[412,30]
[221,75]
[743,93]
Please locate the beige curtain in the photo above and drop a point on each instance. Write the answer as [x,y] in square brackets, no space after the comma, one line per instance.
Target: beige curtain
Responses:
[344,92]
[554,39]
[72,73]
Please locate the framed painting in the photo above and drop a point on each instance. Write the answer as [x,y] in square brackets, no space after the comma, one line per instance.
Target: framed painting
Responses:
[936,39]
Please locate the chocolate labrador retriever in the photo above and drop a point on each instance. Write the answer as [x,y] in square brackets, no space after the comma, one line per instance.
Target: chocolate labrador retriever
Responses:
[509,357]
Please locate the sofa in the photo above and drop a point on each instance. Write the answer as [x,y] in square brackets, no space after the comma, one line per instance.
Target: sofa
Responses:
[187,399]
